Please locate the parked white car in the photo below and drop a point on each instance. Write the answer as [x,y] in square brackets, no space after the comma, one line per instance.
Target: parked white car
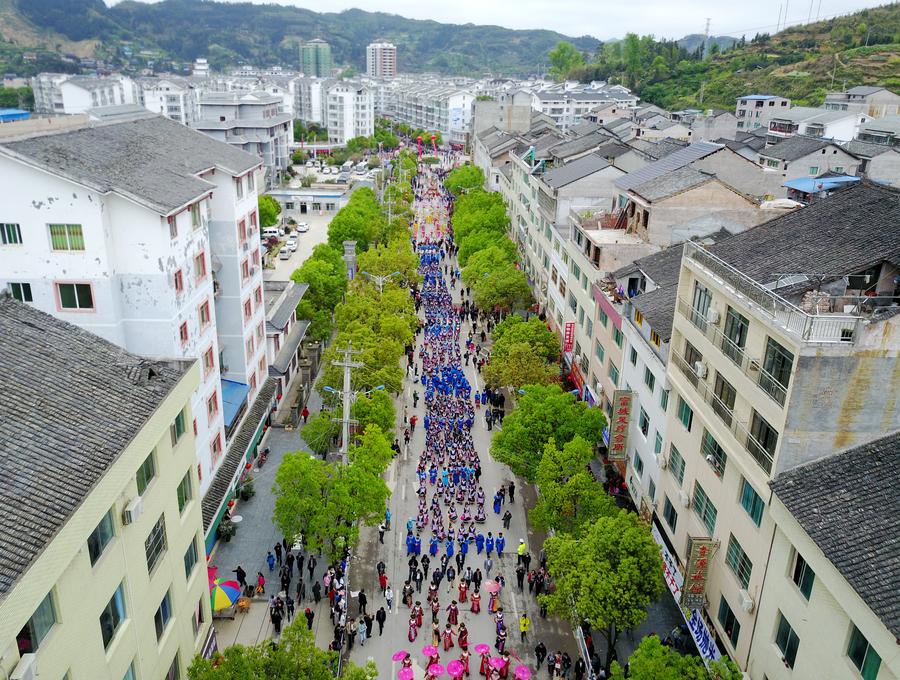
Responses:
[302,227]
[285,254]
[291,244]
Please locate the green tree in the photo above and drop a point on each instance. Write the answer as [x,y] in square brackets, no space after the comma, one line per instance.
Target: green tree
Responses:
[395,256]
[326,282]
[520,365]
[564,58]
[269,210]
[569,497]
[607,577]
[485,238]
[652,660]
[372,452]
[319,432]
[464,178]
[514,329]
[542,412]
[376,408]
[506,290]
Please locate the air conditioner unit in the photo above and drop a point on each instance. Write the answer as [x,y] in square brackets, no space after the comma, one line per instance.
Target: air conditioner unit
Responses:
[663,461]
[685,499]
[133,510]
[700,369]
[712,316]
[754,364]
[26,669]
[747,602]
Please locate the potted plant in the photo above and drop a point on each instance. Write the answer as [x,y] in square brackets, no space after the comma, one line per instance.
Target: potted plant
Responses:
[247,490]
[227,529]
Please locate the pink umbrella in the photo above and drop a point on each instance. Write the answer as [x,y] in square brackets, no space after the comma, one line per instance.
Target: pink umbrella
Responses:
[496,662]
[405,674]
[400,655]
[435,669]
[492,586]
[482,649]
[522,673]
[455,668]
[429,650]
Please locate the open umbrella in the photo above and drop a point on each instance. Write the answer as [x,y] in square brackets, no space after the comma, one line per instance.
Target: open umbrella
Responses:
[435,670]
[522,672]
[400,655]
[429,650]
[405,674]
[492,586]
[224,594]
[211,575]
[455,668]
[496,662]
[482,648]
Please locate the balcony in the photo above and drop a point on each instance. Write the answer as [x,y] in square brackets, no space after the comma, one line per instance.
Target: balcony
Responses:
[739,430]
[804,326]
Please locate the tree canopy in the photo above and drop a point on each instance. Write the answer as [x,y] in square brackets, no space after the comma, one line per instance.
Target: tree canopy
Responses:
[479,239]
[361,220]
[564,58]
[269,210]
[325,272]
[653,660]
[464,178]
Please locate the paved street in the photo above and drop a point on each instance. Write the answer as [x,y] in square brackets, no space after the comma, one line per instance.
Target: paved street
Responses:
[318,233]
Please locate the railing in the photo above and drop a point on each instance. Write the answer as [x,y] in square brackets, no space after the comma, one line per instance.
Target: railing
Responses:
[824,328]
[751,368]
[739,430]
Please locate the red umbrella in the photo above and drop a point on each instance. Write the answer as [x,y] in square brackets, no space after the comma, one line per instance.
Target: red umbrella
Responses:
[400,655]
[496,662]
[429,650]
[522,673]
[482,649]
[455,668]
[405,674]
[492,586]
[435,669]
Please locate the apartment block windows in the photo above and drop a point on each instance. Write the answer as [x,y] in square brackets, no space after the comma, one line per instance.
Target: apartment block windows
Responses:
[664,400]
[613,373]
[200,266]
[190,558]
[248,310]
[786,640]
[216,449]
[251,183]
[751,502]
[179,281]
[738,562]
[866,659]
[669,514]
[183,333]
[600,352]
[638,465]
[803,576]
[183,492]
[618,337]
[112,616]
[173,227]
[75,296]
[632,358]
[762,441]
[723,404]
[163,615]
[704,508]
[33,633]
[145,474]
[602,317]
[239,187]
[638,318]
[212,406]
[204,315]
[644,422]
[66,237]
[777,364]
[713,453]
[258,296]
[209,362]
[700,305]
[245,270]
[155,544]
[21,291]
[676,465]
[685,414]
[100,537]
[649,379]
[729,622]
[736,327]
[10,234]
[195,216]
[658,444]
[177,428]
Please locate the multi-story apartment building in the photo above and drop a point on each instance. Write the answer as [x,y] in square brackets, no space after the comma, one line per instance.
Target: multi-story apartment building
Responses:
[310,96]
[381,60]
[884,131]
[56,93]
[153,244]
[840,126]
[350,111]
[251,122]
[782,337]
[315,59]
[101,564]
[284,331]
[505,111]
[802,156]
[569,104]
[756,110]
[174,98]
[873,101]
[47,94]
[434,105]
[824,612]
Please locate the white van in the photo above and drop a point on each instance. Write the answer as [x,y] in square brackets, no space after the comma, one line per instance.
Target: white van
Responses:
[285,254]
[269,232]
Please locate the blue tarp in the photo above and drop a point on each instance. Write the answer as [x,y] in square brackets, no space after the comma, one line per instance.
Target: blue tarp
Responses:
[234,396]
[813,185]
[9,115]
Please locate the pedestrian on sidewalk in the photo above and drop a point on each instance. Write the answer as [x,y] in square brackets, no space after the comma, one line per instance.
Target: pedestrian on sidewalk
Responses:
[305,414]
[352,629]
[387,519]
[275,618]
[501,543]
[520,576]
[507,518]
[541,653]
[415,397]
[419,577]
[310,615]
[260,583]
[311,565]
[362,600]
[241,576]
[270,560]
[316,591]
[512,485]
[383,582]
[289,560]
[361,627]
[278,553]
[381,533]
[488,565]
[524,624]
[289,603]
[380,617]
[520,552]
[389,597]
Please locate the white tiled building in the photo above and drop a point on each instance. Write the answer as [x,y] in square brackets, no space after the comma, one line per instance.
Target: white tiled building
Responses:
[350,111]
[56,93]
[381,60]
[174,98]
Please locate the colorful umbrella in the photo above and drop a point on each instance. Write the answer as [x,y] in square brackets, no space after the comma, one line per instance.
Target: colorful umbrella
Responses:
[496,662]
[522,672]
[492,586]
[400,655]
[429,650]
[435,670]
[405,674]
[224,594]
[482,648]
[211,575]
[455,668]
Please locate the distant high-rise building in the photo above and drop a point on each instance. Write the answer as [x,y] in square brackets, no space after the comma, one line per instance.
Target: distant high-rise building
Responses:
[381,60]
[315,58]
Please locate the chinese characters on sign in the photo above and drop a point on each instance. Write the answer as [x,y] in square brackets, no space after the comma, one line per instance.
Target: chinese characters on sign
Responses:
[569,340]
[706,645]
[618,428]
[700,552]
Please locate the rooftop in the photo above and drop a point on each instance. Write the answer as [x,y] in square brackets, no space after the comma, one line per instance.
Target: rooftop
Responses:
[281,299]
[864,90]
[56,444]
[849,506]
[671,183]
[673,161]
[153,161]
[798,146]
[574,170]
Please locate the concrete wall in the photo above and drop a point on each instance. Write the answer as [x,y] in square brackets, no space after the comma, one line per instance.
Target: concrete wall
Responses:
[508,112]
[885,168]
[829,158]
[737,171]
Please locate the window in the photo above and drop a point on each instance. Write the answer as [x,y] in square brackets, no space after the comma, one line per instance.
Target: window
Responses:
[173,227]
[600,352]
[658,444]
[651,489]
[654,338]
[145,474]
[252,384]
[700,305]
[676,464]
[738,562]
[632,357]
[257,296]
[184,492]
[251,184]
[179,281]
[163,615]
[838,168]
[10,234]
[803,576]
[736,327]
[813,170]
[100,537]
[155,545]
[197,618]
[644,422]
[249,348]
[685,414]
[248,310]
[212,406]
[129,674]
[33,633]
[66,237]
[704,508]
[729,622]
[199,265]
[638,318]
[239,187]
[195,216]
[602,317]
[613,373]
[669,514]
[190,558]
[713,453]
[762,441]
[75,295]
[723,404]
[751,502]
[777,364]
[177,428]
[216,449]
[204,315]
[245,270]
[112,616]
[638,465]
[649,379]
[866,659]
[664,400]
[209,362]
[618,337]
[786,640]
[183,333]
[252,221]
[21,291]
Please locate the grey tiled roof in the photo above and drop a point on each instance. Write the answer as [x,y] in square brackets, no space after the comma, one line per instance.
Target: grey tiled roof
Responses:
[848,504]
[865,149]
[71,402]
[658,308]
[578,145]
[154,161]
[795,147]
[573,171]
[673,161]
[289,347]
[612,149]
[286,306]
[864,90]
[671,183]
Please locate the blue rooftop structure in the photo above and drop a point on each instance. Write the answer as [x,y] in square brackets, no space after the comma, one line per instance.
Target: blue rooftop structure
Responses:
[755,97]
[234,398]
[814,185]
[9,115]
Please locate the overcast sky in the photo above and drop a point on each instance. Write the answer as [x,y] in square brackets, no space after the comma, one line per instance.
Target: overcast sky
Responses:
[604,19]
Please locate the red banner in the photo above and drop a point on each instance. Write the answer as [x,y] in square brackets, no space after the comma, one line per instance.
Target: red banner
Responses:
[618,428]
[569,341]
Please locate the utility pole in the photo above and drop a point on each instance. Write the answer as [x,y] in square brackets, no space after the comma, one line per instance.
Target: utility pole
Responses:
[346,396]
[778,23]
[706,39]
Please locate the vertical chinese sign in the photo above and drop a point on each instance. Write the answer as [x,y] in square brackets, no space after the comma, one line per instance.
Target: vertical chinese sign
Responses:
[569,340]
[700,553]
[618,429]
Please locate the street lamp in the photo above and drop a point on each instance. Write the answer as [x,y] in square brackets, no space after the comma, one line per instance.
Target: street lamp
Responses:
[380,280]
